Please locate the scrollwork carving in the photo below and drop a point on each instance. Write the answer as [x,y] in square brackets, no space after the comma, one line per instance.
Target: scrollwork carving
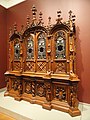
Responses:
[40,90]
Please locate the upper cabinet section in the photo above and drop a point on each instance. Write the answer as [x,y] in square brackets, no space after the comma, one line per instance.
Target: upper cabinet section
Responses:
[44,51]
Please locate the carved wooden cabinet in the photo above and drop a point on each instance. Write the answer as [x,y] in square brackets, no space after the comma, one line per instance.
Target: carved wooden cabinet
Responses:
[42,64]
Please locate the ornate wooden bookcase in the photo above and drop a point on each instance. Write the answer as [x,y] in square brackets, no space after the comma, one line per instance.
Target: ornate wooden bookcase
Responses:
[42,64]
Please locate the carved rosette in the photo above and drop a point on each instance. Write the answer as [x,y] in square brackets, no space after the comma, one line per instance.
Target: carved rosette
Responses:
[60,93]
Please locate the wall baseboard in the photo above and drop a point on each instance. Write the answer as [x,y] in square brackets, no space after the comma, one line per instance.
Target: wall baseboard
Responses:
[86,104]
[3,89]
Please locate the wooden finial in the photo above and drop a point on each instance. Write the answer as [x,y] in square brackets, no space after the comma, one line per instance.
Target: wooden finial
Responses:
[59,17]
[40,19]
[58,13]
[40,15]
[34,10]
[73,18]
[70,15]
[28,21]
[49,21]
[10,34]
[22,29]
[15,27]
[49,27]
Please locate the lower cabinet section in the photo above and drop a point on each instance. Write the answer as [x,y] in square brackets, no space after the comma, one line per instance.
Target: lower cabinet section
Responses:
[50,93]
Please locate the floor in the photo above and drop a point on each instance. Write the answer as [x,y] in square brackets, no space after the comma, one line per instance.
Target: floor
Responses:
[5,117]
[25,111]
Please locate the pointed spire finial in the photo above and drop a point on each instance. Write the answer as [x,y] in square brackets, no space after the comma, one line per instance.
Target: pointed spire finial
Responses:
[15,27]
[22,29]
[28,21]
[40,19]
[49,21]
[70,15]
[34,10]
[10,34]
[59,17]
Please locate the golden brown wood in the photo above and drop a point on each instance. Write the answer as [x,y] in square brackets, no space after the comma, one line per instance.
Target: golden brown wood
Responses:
[42,64]
[5,117]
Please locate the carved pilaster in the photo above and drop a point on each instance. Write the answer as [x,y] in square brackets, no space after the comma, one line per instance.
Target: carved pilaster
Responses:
[33,89]
[48,91]
[7,80]
[28,87]
[21,56]
[20,88]
[73,97]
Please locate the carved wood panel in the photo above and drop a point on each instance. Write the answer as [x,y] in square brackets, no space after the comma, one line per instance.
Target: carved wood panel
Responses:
[41,66]
[60,67]
[28,87]
[16,65]
[30,66]
[60,92]
[40,89]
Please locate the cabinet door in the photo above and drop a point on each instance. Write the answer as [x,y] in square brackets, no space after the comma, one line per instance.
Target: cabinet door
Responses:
[59,52]
[29,54]
[41,56]
[16,54]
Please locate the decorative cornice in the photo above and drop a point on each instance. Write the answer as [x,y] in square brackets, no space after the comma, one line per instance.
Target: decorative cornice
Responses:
[9,3]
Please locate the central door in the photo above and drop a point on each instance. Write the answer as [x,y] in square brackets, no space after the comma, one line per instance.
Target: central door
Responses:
[41,54]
